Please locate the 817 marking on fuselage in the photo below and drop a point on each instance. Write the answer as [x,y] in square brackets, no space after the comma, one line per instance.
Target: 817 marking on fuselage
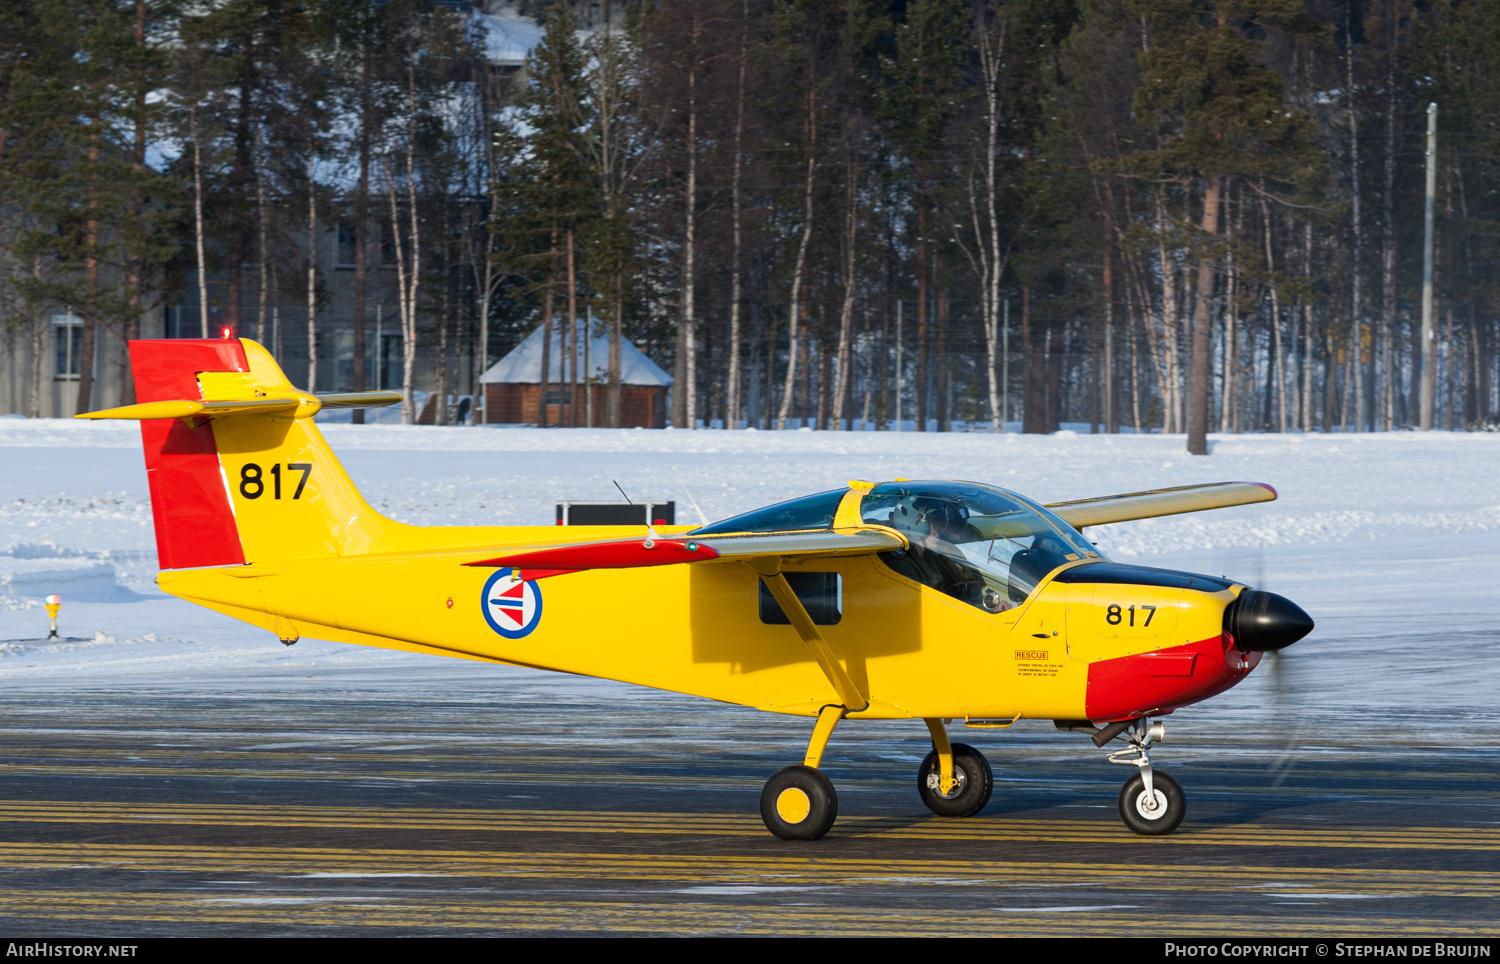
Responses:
[1112,615]
[251,477]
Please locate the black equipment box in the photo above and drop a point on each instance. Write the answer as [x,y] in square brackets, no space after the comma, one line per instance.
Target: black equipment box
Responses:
[616,513]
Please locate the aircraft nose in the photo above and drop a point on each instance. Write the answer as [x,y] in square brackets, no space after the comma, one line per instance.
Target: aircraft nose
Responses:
[1265,621]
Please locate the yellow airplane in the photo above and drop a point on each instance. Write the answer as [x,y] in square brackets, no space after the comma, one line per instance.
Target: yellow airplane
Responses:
[941,601]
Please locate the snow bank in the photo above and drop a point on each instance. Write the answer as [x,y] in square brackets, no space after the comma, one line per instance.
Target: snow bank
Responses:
[25,582]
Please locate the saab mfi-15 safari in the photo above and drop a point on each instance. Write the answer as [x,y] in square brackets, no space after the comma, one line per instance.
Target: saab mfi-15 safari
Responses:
[939,601]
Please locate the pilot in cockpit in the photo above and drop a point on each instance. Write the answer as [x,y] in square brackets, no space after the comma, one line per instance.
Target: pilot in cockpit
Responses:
[935,528]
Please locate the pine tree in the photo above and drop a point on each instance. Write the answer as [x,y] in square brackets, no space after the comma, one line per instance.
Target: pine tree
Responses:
[924,93]
[1218,113]
[547,193]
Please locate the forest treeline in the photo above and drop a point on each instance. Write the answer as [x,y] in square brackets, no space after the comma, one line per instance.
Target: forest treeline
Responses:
[1158,215]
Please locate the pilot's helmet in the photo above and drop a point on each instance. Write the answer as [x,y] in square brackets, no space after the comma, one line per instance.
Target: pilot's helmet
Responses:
[1050,544]
[905,517]
[946,518]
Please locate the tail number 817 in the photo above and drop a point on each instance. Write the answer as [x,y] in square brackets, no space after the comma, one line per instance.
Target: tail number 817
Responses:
[1114,615]
[253,482]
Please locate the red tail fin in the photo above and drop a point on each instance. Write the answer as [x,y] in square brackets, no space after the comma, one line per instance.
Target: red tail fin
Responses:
[190,500]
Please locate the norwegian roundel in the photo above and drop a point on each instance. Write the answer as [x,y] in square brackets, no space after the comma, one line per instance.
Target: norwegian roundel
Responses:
[511,607]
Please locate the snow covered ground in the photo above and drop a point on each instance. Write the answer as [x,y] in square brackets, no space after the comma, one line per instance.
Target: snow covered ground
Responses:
[1390,541]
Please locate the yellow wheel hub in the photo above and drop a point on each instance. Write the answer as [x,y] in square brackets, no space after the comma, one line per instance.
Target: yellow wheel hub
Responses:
[793,805]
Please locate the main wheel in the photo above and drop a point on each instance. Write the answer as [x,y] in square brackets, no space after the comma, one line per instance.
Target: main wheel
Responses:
[798,803]
[1149,816]
[972,790]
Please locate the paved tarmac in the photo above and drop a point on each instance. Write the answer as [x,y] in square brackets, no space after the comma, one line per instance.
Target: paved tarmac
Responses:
[468,800]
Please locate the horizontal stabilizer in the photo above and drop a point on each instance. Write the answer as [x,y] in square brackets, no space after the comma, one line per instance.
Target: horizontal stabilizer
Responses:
[265,405]
[1159,502]
[359,399]
[186,408]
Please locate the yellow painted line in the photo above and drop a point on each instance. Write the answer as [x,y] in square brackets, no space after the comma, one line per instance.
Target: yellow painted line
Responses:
[535,766]
[999,829]
[333,770]
[814,871]
[484,912]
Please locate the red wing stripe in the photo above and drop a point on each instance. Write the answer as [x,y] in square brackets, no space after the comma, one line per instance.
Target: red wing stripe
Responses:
[624,554]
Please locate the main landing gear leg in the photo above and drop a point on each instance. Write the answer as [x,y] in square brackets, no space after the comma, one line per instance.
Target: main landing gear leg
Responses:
[955,780]
[944,750]
[1151,802]
[799,803]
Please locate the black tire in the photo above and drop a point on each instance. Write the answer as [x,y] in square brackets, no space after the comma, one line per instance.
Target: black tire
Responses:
[793,817]
[1171,801]
[975,782]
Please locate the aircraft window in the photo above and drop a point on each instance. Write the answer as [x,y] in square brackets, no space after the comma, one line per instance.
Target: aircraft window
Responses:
[984,546]
[808,512]
[821,594]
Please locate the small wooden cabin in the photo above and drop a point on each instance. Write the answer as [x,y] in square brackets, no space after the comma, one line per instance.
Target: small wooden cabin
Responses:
[513,385]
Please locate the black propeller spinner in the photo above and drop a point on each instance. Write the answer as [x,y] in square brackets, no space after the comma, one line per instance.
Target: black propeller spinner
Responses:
[1264,621]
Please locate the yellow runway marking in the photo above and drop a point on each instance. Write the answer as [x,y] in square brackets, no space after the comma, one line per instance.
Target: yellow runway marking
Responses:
[997,829]
[339,770]
[486,913]
[822,872]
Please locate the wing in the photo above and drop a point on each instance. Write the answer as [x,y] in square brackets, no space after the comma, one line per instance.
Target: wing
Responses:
[1157,502]
[748,547]
[765,552]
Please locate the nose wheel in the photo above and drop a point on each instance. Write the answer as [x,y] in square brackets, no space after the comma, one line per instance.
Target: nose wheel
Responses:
[1151,802]
[1155,811]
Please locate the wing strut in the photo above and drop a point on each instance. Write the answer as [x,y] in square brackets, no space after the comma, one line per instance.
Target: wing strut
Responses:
[769,570]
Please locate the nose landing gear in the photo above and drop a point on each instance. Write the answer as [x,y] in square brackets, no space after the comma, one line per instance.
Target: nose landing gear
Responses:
[1151,802]
[1152,812]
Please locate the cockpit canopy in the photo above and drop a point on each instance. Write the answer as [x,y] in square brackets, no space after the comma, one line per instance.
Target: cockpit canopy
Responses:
[808,512]
[979,544]
[982,545]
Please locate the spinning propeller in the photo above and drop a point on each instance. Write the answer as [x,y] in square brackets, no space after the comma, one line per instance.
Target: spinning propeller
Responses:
[1267,618]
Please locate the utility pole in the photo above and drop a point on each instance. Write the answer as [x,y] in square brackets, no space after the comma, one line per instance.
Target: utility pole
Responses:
[1005,366]
[1429,343]
[900,373]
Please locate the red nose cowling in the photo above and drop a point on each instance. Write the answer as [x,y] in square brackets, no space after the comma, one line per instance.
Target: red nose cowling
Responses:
[1153,683]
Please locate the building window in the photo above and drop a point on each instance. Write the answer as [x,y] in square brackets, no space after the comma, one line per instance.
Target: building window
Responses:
[346,246]
[343,361]
[67,343]
[389,367]
[559,396]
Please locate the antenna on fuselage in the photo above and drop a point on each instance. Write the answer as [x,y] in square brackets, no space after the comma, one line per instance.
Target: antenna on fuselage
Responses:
[702,519]
[651,535]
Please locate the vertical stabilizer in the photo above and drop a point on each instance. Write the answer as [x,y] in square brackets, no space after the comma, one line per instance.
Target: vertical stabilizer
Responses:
[238,471]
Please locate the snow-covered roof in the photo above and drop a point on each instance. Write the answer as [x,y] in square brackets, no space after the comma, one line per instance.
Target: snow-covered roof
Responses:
[524,363]
[508,36]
